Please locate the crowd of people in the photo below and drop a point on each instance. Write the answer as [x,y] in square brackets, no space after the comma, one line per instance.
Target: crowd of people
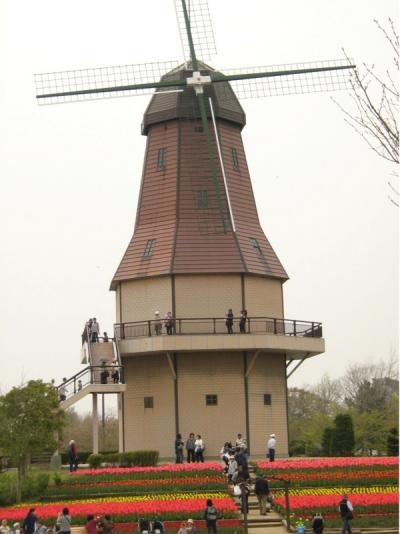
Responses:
[194,447]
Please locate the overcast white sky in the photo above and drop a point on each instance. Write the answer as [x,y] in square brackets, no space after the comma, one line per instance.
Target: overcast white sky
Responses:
[70,174]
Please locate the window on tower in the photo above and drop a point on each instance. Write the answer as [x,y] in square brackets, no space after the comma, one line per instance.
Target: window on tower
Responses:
[201,199]
[161,158]
[149,402]
[256,246]
[148,251]
[235,160]
[267,399]
[211,400]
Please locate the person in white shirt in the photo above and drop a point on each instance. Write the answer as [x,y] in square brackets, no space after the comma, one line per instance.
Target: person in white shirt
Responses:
[199,448]
[271,446]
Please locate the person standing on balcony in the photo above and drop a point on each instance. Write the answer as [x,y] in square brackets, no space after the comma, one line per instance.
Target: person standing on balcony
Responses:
[229,321]
[169,323]
[271,446]
[105,337]
[62,391]
[157,323]
[95,331]
[242,322]
[115,372]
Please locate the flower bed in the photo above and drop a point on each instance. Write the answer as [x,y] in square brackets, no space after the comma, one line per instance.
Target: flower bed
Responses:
[175,506]
[317,485]
[97,486]
[161,471]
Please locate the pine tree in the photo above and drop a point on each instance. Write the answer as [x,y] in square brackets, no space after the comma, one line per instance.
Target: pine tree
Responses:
[326,441]
[393,442]
[343,436]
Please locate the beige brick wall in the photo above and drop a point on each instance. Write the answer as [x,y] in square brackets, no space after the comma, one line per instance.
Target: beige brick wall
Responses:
[207,295]
[149,428]
[263,297]
[141,298]
[210,373]
[117,304]
[268,376]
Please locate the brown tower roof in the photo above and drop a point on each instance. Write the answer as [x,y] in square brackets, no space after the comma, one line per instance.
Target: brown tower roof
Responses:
[184,104]
[178,226]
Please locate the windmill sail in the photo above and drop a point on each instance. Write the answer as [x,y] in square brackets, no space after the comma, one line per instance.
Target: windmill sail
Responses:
[200,27]
[51,87]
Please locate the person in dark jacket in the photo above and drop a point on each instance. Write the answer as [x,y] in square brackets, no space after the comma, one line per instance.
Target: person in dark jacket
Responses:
[318,524]
[261,490]
[179,449]
[211,516]
[346,513]
[190,448]
[29,524]
[229,321]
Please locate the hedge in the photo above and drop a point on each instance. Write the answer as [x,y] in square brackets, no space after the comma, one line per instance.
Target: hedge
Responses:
[124,459]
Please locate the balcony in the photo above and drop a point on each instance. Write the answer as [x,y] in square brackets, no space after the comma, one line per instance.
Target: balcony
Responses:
[297,339]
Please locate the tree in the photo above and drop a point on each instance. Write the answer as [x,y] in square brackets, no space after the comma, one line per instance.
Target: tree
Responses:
[369,431]
[393,442]
[30,418]
[326,441]
[376,101]
[343,436]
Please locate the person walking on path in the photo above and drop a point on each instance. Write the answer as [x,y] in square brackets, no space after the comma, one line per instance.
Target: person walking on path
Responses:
[190,446]
[179,449]
[229,321]
[318,524]
[64,521]
[72,453]
[346,513]
[199,449]
[271,446]
[261,489]
[211,516]
[29,524]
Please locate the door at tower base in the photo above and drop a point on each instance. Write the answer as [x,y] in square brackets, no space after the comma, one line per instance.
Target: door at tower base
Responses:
[209,394]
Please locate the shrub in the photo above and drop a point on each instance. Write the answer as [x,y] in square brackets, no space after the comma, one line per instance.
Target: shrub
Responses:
[57,479]
[7,489]
[111,457]
[35,484]
[139,458]
[94,460]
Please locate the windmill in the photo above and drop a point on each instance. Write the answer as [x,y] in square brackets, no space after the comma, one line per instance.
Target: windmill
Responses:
[198,248]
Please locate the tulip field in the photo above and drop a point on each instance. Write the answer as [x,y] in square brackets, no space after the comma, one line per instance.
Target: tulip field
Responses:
[171,492]
[317,485]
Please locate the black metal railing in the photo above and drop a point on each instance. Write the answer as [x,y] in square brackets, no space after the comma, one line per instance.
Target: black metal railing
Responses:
[253,325]
[93,374]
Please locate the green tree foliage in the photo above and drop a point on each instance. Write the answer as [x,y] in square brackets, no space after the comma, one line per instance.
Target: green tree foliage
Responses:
[343,440]
[79,428]
[30,419]
[326,441]
[393,442]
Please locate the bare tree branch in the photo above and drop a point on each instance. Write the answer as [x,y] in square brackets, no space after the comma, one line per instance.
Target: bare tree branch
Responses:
[376,102]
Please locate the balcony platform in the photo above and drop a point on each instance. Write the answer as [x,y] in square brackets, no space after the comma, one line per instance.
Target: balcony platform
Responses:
[297,339]
[295,348]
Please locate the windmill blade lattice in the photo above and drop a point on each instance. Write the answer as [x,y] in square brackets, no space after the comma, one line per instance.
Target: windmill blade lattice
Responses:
[336,79]
[200,27]
[51,86]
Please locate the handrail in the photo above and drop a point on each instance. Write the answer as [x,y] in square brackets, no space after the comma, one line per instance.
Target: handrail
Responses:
[89,375]
[217,325]
[115,341]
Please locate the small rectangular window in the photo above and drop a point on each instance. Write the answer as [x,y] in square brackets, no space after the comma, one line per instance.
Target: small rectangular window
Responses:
[211,400]
[235,160]
[256,246]
[161,158]
[149,402]
[267,399]
[149,248]
[201,199]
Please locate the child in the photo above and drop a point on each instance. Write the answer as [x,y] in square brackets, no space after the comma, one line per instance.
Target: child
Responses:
[318,523]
